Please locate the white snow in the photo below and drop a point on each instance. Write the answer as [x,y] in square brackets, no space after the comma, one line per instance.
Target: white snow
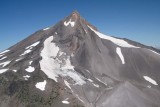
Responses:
[119,42]
[72,74]
[118,50]
[101,81]
[3,70]
[65,102]
[5,63]
[69,22]
[33,45]
[26,52]
[4,51]
[53,67]
[3,58]
[154,52]
[46,28]
[26,77]
[30,69]
[47,63]
[79,98]
[15,70]
[18,59]
[61,53]
[67,65]
[67,84]
[41,85]
[150,80]
[90,80]
[96,85]
[30,62]
[85,31]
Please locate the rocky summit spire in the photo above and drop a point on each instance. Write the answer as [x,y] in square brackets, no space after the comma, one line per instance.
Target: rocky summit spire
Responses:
[76,17]
[75,14]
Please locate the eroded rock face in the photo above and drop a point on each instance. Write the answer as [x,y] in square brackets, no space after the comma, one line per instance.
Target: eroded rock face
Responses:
[73,65]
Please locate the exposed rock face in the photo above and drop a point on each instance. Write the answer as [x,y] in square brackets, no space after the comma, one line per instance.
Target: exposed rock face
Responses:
[73,65]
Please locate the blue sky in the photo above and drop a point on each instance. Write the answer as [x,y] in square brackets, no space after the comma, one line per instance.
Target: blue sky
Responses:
[138,20]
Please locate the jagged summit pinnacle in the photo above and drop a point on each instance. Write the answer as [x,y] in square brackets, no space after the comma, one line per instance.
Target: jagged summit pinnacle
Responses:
[77,18]
[74,16]
[75,13]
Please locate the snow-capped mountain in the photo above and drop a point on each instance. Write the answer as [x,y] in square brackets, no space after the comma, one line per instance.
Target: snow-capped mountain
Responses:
[72,64]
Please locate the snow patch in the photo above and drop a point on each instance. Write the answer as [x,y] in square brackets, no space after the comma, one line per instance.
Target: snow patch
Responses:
[33,45]
[67,84]
[46,28]
[101,81]
[18,59]
[53,67]
[96,85]
[4,63]
[26,52]
[30,62]
[30,69]
[90,80]
[118,50]
[65,102]
[150,80]
[41,85]
[3,70]
[69,22]
[119,42]
[3,58]
[15,70]
[154,52]
[79,98]
[4,51]
[26,77]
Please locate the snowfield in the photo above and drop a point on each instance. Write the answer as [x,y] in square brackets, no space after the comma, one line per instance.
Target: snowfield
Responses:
[3,52]
[116,41]
[3,70]
[4,63]
[3,58]
[52,66]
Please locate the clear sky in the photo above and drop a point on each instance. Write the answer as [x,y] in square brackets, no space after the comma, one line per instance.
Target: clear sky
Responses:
[138,20]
